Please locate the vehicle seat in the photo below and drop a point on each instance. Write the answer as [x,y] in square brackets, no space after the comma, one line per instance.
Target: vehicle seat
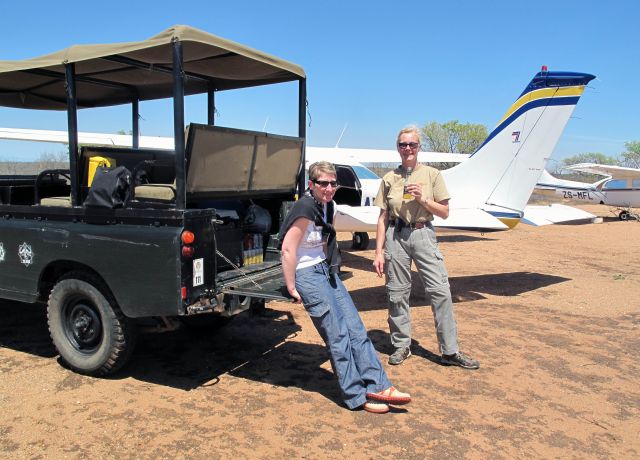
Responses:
[156,192]
[60,201]
[54,182]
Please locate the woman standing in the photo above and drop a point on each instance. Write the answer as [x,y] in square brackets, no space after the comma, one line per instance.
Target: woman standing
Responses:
[409,197]
[310,260]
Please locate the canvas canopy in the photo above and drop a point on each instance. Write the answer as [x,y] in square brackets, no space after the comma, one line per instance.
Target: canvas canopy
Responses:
[118,73]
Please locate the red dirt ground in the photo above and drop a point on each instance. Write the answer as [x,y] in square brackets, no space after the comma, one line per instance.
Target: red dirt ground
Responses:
[552,313]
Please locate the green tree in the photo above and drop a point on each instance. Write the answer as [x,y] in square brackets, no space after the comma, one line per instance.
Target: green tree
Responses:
[590,157]
[631,158]
[453,136]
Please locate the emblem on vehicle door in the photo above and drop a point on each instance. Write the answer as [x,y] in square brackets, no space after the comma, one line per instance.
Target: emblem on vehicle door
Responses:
[25,253]
[1,253]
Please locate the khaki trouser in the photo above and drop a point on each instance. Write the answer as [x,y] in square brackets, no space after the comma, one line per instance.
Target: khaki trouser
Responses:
[420,245]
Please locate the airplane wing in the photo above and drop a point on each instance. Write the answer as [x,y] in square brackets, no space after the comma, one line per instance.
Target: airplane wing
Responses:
[356,218]
[377,156]
[616,172]
[85,138]
[538,215]
[365,219]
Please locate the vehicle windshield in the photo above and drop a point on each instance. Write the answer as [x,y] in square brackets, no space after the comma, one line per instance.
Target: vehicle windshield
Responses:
[364,173]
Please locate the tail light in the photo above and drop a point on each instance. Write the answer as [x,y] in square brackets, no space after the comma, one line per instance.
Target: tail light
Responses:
[187,237]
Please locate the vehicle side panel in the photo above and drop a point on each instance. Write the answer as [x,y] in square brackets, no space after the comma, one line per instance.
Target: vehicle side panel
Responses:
[140,264]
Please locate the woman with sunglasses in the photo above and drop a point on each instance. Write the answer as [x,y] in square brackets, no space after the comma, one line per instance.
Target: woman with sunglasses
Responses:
[310,261]
[409,197]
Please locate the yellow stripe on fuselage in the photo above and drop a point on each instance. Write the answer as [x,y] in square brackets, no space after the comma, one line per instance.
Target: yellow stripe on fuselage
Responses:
[542,94]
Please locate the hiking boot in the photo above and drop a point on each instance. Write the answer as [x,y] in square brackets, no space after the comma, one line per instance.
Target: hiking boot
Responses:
[399,355]
[461,360]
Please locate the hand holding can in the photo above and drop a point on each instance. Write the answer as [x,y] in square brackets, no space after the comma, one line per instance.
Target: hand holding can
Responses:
[406,195]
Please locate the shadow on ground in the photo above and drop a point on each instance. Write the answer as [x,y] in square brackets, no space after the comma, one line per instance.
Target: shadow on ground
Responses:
[255,347]
[23,327]
[463,288]
[382,343]
[258,348]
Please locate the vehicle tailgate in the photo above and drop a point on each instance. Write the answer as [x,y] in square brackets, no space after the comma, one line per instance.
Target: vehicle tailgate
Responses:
[268,284]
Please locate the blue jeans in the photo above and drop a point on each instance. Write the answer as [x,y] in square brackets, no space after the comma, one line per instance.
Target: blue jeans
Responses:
[353,358]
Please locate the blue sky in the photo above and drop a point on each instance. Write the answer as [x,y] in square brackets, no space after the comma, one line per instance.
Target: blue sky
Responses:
[372,66]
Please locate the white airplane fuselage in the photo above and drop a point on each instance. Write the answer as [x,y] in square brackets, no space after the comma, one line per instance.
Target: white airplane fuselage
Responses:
[611,191]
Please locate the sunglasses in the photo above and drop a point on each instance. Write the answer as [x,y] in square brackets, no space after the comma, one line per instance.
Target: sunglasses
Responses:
[326,183]
[404,145]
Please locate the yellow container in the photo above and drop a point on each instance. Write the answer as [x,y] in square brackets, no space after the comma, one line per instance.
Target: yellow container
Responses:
[94,162]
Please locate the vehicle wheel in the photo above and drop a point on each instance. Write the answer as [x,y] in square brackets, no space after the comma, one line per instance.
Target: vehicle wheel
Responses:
[624,215]
[360,240]
[87,327]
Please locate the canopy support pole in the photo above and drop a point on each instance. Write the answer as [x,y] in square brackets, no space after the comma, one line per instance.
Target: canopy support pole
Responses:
[72,123]
[135,123]
[178,123]
[302,129]
[211,106]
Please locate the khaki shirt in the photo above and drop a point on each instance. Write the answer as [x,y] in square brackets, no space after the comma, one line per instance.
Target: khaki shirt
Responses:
[410,210]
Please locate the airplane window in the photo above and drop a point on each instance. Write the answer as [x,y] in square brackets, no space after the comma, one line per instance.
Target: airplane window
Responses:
[615,184]
[364,173]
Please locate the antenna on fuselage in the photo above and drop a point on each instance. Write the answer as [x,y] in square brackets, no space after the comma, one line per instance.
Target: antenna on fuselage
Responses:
[341,134]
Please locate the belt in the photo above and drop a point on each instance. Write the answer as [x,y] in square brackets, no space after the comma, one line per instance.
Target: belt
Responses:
[400,224]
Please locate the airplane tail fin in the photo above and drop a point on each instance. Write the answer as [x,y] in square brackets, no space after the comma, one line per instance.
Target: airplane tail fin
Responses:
[500,176]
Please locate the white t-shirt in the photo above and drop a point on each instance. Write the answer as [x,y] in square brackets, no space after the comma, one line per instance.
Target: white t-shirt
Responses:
[311,248]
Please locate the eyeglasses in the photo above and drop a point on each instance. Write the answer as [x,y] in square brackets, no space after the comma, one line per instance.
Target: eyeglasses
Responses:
[326,183]
[404,145]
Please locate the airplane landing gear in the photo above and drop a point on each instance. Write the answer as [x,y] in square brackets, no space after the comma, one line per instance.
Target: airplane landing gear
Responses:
[360,240]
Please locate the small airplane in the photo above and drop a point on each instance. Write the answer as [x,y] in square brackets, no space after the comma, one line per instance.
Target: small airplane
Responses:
[489,189]
[620,187]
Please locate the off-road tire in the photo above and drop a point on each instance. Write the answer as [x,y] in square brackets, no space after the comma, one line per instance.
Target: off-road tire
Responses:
[87,327]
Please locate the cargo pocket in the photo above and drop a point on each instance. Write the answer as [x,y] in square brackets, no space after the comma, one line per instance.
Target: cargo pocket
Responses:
[442,269]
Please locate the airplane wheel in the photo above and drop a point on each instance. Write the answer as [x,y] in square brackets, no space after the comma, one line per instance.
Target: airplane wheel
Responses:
[360,240]
[624,215]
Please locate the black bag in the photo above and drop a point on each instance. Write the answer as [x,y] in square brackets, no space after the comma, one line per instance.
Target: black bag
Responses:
[257,220]
[110,188]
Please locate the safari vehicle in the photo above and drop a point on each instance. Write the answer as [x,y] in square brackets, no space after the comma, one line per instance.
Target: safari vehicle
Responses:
[177,233]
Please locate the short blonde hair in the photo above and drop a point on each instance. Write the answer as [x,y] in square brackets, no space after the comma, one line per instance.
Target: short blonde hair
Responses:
[411,129]
[321,167]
